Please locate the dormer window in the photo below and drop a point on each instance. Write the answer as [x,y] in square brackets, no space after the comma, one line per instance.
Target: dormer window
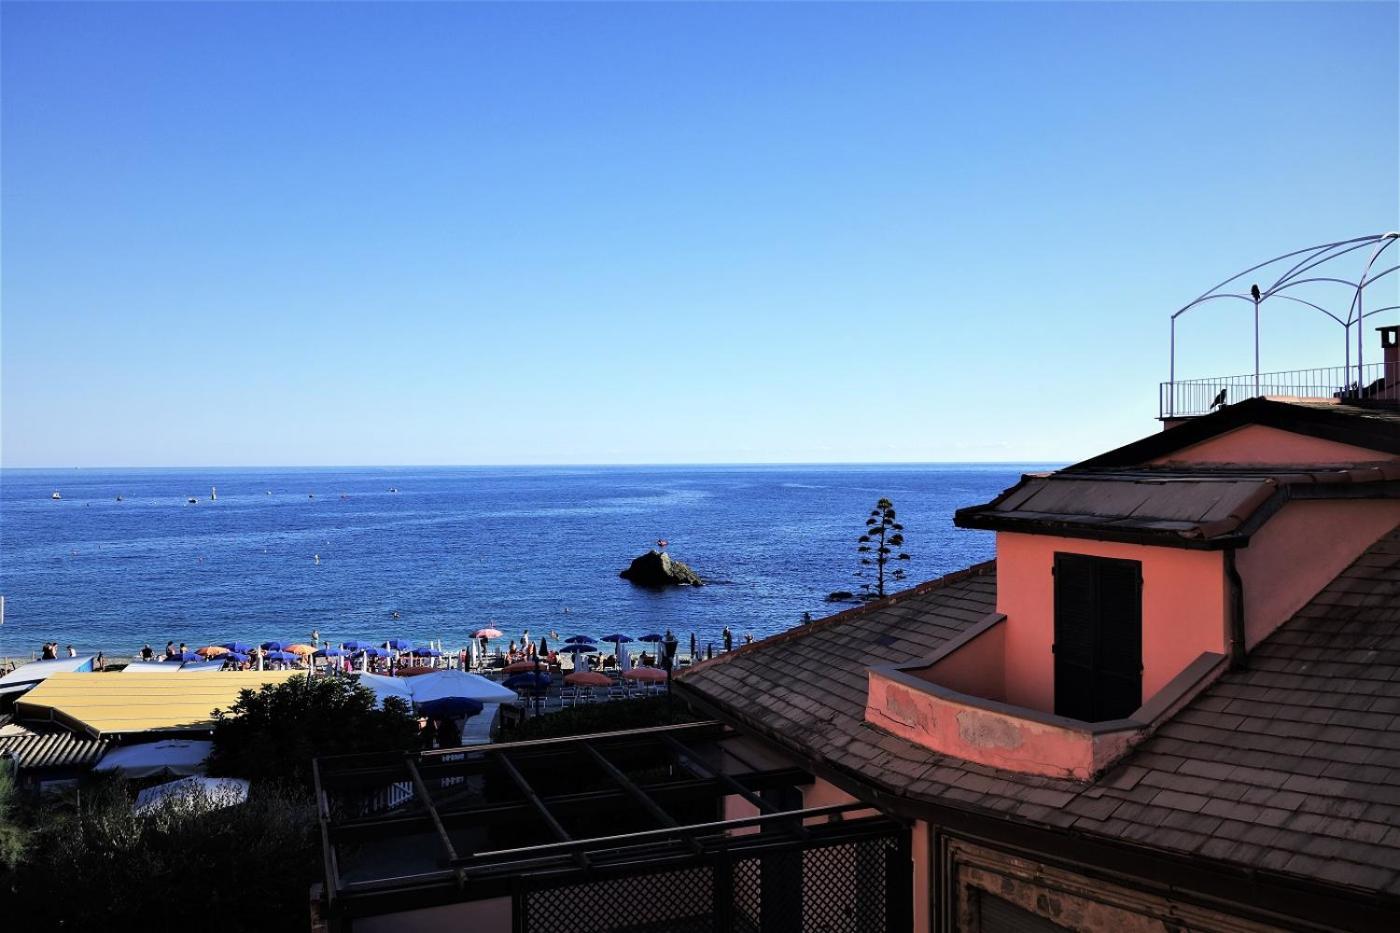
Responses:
[1098,637]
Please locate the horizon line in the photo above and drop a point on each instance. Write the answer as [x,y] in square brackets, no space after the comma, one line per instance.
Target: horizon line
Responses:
[560,465]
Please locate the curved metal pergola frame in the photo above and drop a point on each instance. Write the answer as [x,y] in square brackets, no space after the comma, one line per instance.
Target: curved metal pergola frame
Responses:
[1305,261]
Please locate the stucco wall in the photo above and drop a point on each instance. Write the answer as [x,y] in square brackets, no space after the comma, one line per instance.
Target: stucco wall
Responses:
[1302,549]
[1184,601]
[1256,443]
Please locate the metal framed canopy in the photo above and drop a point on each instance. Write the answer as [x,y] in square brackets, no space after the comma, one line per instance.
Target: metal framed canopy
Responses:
[445,826]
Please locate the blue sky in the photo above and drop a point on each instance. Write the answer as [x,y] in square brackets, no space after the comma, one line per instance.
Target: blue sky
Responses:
[474,234]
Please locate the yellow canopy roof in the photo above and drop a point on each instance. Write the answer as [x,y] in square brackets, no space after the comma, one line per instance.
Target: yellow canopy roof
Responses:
[103,704]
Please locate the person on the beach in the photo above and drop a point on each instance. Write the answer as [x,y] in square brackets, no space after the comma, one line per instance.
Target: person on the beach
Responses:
[182,650]
[100,663]
[147,653]
[72,653]
[169,650]
[728,639]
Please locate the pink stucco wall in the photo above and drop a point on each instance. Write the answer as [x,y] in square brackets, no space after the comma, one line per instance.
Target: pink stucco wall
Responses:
[977,667]
[1302,549]
[1184,602]
[961,727]
[1258,444]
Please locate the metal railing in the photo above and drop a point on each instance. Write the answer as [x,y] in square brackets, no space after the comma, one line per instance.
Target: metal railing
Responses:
[1189,397]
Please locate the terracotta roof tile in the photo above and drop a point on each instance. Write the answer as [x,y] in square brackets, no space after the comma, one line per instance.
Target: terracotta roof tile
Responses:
[1289,764]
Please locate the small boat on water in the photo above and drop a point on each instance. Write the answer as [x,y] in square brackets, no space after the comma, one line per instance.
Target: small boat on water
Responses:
[119,498]
[191,500]
[393,489]
[55,495]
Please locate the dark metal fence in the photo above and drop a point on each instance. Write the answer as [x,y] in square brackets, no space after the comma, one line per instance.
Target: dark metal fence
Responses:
[843,885]
[1188,397]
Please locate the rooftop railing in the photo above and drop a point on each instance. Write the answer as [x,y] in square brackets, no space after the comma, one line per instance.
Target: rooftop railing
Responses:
[1186,398]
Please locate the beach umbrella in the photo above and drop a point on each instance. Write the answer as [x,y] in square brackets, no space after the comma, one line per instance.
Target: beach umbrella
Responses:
[451,706]
[579,640]
[544,647]
[356,645]
[329,653]
[652,636]
[519,666]
[487,633]
[398,644]
[371,652]
[651,675]
[425,651]
[272,646]
[616,638]
[530,681]
[236,657]
[209,651]
[282,656]
[237,646]
[588,679]
[692,646]
[301,649]
[579,649]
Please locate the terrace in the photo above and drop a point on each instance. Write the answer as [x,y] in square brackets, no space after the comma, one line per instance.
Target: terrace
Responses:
[676,828]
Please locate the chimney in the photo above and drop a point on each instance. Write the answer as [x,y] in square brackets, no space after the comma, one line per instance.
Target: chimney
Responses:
[1390,343]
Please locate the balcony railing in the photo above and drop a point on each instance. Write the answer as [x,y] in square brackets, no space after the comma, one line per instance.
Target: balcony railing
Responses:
[1188,397]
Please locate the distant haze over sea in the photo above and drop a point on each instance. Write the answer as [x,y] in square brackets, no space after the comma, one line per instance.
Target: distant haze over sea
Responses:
[283,551]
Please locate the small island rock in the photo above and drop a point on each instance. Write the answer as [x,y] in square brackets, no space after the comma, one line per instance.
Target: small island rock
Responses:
[656,569]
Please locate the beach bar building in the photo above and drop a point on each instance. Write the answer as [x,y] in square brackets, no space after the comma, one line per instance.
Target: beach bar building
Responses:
[1171,702]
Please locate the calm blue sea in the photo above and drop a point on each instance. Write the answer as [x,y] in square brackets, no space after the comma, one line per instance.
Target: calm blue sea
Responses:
[454,549]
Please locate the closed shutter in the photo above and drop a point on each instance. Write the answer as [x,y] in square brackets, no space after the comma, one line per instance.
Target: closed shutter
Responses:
[1098,637]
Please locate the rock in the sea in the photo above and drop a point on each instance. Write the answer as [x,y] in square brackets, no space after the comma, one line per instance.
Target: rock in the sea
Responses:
[656,569]
[841,596]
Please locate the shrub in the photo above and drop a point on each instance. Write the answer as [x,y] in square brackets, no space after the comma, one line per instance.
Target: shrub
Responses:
[274,732]
[602,717]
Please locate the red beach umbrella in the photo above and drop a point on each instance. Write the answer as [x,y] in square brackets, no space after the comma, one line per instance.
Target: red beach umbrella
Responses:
[487,633]
[520,667]
[648,674]
[588,679]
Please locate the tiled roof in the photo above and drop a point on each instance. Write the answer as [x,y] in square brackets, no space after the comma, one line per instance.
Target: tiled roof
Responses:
[1194,508]
[1376,427]
[58,749]
[1290,764]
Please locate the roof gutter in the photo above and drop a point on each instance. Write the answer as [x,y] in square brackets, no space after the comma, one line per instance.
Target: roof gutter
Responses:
[1234,614]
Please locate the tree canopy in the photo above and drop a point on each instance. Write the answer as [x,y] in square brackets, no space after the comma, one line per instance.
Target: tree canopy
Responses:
[879,545]
[274,733]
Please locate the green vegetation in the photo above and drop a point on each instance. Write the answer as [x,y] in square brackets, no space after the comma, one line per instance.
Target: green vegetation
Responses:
[883,534]
[94,864]
[86,861]
[273,733]
[602,717]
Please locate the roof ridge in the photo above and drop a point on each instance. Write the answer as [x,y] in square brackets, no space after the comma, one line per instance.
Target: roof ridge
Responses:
[918,589]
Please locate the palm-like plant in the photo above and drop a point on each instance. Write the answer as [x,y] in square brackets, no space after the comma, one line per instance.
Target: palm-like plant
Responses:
[880,544]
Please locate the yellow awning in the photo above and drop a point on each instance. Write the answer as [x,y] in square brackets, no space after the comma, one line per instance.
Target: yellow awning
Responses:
[103,704]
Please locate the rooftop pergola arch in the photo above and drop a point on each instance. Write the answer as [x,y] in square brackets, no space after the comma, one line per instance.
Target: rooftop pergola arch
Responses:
[1326,257]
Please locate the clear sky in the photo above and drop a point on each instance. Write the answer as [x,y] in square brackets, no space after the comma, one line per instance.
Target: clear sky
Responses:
[473,234]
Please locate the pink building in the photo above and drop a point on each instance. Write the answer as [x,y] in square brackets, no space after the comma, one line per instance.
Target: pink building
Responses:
[1171,702]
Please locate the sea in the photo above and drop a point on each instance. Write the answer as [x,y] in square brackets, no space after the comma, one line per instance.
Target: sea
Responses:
[124,558]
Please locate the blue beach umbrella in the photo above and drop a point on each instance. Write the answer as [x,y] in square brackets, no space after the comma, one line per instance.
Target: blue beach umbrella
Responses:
[273,646]
[372,652]
[619,639]
[236,656]
[282,656]
[423,651]
[451,706]
[527,681]
[356,645]
[579,640]
[651,637]
[399,644]
[236,646]
[187,656]
[329,653]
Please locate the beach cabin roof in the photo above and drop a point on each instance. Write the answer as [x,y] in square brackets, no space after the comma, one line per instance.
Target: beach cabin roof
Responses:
[111,705]
[59,749]
[28,675]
